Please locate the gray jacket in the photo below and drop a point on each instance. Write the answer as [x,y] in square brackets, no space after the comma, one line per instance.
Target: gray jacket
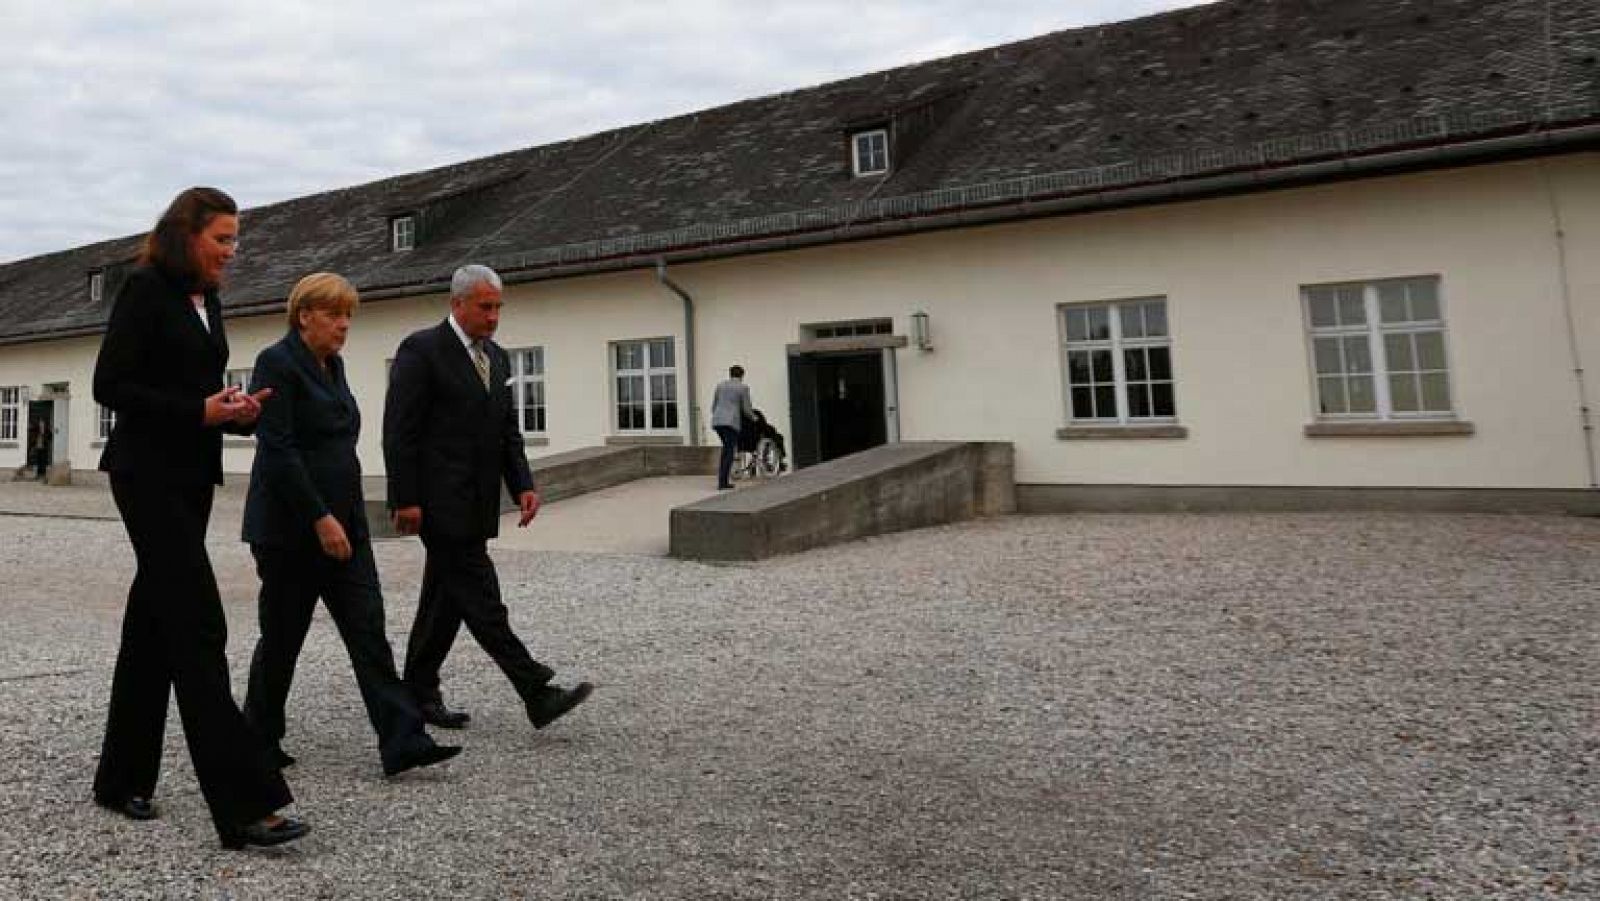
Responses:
[731,400]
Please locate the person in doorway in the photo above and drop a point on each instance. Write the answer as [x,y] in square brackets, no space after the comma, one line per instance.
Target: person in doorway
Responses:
[305,519]
[450,438]
[39,447]
[160,369]
[730,407]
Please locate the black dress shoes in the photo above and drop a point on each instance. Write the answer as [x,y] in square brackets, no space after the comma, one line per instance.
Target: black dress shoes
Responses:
[434,713]
[280,758]
[556,702]
[428,755]
[132,808]
[264,834]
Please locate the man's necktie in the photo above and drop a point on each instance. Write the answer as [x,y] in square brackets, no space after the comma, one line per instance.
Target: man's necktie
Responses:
[480,361]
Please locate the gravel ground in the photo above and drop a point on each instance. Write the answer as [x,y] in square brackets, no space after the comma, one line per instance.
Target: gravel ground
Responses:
[1141,707]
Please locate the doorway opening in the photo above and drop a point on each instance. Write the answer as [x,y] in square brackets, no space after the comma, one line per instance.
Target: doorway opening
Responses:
[841,403]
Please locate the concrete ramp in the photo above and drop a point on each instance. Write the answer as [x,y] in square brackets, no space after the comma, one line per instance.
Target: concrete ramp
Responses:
[901,486]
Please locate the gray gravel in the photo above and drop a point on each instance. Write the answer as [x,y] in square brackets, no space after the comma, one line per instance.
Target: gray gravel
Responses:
[1144,707]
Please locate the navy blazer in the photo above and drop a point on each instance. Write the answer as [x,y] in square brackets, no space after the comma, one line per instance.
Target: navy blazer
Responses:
[305,465]
[447,442]
[157,365]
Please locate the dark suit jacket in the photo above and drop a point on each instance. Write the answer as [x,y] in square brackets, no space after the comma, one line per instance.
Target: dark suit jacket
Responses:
[448,443]
[306,465]
[157,365]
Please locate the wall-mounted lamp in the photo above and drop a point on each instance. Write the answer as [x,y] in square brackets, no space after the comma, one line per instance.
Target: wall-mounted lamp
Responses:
[920,335]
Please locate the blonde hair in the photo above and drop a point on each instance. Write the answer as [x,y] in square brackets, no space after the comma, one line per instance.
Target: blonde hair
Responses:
[322,291]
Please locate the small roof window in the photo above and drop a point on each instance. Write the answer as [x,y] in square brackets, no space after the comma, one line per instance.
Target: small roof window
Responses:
[870,151]
[97,286]
[402,233]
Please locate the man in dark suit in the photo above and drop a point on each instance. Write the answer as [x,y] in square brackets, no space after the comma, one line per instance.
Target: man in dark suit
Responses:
[450,437]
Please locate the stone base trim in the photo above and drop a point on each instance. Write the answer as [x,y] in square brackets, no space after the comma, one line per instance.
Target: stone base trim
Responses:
[1069,499]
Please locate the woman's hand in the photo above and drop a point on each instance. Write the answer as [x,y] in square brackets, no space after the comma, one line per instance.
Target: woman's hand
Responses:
[331,535]
[231,404]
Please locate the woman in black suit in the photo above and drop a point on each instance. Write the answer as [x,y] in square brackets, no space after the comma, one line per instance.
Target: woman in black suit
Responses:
[306,523]
[160,368]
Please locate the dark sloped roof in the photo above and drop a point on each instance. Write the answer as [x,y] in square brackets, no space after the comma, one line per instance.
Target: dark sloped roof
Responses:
[1235,86]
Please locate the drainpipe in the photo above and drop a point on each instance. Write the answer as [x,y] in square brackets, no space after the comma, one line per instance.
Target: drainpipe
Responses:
[1573,346]
[688,349]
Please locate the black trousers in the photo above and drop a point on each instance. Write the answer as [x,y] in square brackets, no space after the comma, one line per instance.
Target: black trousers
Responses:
[292,579]
[730,443]
[174,637]
[459,585]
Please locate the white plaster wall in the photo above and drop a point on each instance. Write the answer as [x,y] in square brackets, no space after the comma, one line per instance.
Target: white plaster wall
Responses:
[1230,269]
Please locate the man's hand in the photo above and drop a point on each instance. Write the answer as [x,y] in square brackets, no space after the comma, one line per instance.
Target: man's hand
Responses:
[332,537]
[224,406]
[407,520]
[529,501]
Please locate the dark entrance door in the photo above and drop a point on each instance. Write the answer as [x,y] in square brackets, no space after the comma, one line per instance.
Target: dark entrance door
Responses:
[41,436]
[836,405]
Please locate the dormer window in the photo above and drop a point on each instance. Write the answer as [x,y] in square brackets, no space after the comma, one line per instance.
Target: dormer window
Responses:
[402,233]
[97,286]
[870,151]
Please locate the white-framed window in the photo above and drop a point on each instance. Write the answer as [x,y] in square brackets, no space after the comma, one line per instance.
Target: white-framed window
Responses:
[527,388]
[237,378]
[866,327]
[97,286]
[1118,361]
[646,380]
[10,412]
[870,151]
[402,233]
[1378,349]
[105,421]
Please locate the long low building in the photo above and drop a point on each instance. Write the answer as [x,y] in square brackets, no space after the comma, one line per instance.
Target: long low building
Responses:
[1257,244]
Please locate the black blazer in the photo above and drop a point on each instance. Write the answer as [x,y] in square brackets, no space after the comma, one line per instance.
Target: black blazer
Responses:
[157,365]
[448,443]
[305,465]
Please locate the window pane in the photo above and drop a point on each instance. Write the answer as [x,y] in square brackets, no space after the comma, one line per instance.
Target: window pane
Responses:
[1082,403]
[1330,391]
[661,353]
[1099,324]
[1132,321]
[1160,363]
[1392,302]
[1352,309]
[1424,300]
[1435,393]
[1155,319]
[1078,324]
[530,421]
[1138,401]
[1103,371]
[1327,354]
[629,356]
[1320,302]
[1133,364]
[1430,350]
[1105,402]
[1357,354]
[1161,397]
[1397,354]
[663,388]
[1362,399]
[1403,393]
[1078,367]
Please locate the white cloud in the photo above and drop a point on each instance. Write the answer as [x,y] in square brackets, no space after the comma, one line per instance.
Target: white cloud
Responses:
[108,109]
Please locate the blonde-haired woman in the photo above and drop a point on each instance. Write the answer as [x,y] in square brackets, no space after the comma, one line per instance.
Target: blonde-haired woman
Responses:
[306,523]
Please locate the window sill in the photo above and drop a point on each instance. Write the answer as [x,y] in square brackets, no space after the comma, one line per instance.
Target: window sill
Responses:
[535,441]
[1389,428]
[642,440]
[98,442]
[238,441]
[1119,432]
[9,444]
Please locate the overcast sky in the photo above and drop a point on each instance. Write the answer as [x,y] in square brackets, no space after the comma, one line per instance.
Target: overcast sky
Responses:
[109,107]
